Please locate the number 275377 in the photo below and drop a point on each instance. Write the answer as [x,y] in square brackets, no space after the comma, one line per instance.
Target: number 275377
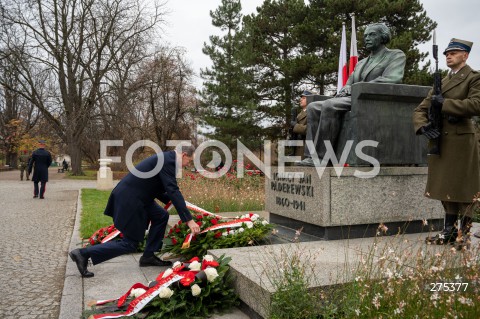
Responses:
[448,286]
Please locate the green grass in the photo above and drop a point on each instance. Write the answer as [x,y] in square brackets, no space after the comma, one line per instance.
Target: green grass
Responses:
[89,175]
[93,204]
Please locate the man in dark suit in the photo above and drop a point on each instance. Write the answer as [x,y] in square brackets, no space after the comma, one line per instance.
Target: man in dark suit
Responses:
[132,206]
[382,66]
[40,162]
[454,176]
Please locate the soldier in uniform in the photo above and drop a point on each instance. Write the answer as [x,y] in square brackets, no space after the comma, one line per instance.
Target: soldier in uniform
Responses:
[454,176]
[23,164]
[40,162]
[299,125]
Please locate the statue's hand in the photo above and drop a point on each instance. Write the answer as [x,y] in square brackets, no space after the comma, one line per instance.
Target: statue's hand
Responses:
[345,91]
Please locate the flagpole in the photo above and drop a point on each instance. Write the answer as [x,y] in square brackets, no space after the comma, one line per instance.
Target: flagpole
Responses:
[342,61]
[353,48]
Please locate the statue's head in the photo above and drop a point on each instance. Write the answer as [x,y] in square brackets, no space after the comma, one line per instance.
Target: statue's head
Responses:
[376,35]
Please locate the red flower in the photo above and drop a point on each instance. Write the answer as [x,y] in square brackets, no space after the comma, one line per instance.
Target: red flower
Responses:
[177,230]
[212,263]
[206,214]
[179,222]
[174,241]
[218,235]
[214,221]
[199,224]
[194,259]
[188,278]
[199,216]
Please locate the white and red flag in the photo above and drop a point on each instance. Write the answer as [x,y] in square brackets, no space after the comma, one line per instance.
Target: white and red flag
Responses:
[353,48]
[342,62]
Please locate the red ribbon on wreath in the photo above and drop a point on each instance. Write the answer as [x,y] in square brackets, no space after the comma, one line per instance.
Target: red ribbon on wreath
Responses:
[231,224]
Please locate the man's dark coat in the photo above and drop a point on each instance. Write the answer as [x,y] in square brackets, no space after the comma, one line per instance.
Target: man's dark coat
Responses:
[133,196]
[40,161]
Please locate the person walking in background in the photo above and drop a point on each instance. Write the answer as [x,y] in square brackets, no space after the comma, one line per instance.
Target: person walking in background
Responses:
[132,206]
[454,175]
[40,162]
[23,160]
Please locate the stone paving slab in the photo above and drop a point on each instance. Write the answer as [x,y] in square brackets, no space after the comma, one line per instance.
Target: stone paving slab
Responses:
[35,235]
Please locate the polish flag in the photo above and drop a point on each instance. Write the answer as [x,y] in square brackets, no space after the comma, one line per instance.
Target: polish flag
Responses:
[353,48]
[342,62]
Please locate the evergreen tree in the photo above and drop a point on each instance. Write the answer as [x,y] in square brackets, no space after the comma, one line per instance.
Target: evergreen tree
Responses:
[290,42]
[228,103]
[273,49]
[406,19]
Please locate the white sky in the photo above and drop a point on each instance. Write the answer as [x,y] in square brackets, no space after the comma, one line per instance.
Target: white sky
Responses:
[189,26]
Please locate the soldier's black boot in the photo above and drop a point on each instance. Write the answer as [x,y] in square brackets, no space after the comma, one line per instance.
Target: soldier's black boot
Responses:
[447,235]
[463,239]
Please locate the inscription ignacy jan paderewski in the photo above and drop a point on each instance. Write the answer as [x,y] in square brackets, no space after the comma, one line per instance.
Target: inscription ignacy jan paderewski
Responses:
[289,184]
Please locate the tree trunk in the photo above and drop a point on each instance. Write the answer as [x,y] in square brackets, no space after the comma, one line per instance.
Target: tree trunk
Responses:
[11,159]
[76,157]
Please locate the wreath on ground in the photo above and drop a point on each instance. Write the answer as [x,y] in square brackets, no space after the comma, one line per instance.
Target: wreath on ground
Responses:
[216,232]
[193,289]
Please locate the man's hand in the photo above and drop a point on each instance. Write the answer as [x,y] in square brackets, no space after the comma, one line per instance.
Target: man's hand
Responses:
[194,228]
[438,99]
[429,131]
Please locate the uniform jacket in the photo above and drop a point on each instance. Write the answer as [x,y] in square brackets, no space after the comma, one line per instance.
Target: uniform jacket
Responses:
[301,129]
[127,202]
[454,176]
[40,162]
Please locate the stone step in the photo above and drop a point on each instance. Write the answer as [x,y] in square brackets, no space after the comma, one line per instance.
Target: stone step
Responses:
[326,263]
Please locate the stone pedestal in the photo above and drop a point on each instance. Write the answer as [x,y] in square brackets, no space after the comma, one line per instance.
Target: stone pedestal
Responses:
[345,206]
[104,175]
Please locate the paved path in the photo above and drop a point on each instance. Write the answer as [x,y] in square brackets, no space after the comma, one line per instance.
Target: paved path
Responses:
[35,239]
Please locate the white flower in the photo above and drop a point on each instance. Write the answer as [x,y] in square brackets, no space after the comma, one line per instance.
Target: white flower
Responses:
[176,264]
[196,290]
[254,217]
[357,312]
[165,292]
[208,258]
[167,272]
[249,224]
[211,273]
[241,230]
[225,234]
[195,265]
[137,292]
[264,222]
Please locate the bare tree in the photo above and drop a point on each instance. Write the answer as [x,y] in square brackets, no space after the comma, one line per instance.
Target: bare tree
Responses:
[167,91]
[75,43]
[17,115]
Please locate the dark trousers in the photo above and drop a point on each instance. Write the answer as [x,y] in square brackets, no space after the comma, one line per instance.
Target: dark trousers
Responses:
[103,252]
[455,208]
[43,186]
[324,121]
